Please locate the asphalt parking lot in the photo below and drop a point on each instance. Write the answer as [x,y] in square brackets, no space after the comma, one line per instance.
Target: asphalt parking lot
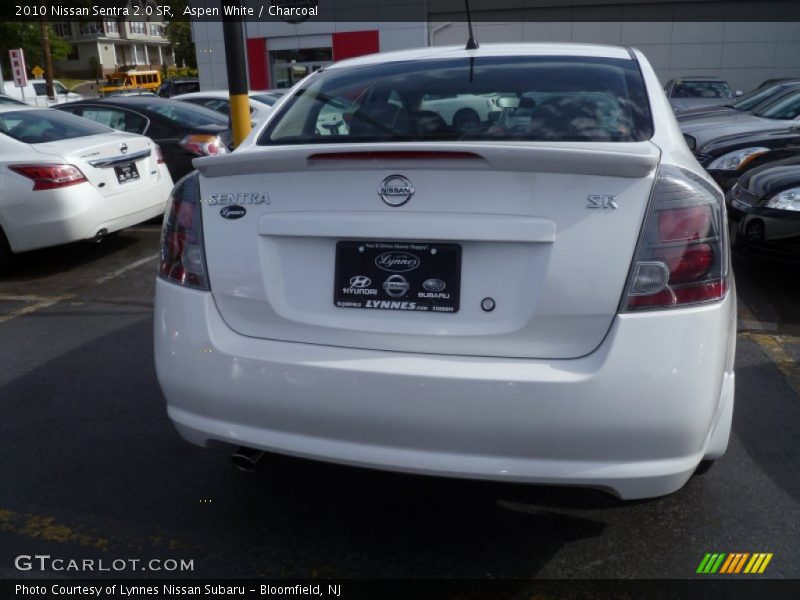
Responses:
[91,467]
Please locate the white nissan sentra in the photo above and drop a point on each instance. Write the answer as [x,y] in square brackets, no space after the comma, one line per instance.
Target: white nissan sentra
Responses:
[545,296]
[64,178]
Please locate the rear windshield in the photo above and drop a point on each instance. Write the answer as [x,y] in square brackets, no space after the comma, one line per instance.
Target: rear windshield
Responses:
[756,97]
[787,107]
[187,114]
[702,89]
[39,126]
[485,98]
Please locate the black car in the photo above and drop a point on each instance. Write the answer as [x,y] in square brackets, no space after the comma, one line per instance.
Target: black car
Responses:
[768,82]
[764,210]
[183,131]
[729,146]
[751,101]
[174,87]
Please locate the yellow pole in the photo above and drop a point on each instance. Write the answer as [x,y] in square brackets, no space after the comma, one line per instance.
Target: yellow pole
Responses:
[240,117]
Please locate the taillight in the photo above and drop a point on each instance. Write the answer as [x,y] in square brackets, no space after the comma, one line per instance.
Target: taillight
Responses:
[159,155]
[50,177]
[682,255]
[204,145]
[182,255]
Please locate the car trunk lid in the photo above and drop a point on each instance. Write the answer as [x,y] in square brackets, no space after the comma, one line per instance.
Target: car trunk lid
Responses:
[113,163]
[535,241]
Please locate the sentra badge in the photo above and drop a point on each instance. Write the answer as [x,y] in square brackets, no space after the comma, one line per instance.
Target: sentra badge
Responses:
[240,198]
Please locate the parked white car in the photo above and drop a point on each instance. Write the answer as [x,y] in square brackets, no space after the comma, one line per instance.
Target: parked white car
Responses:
[35,93]
[64,178]
[544,299]
[219,100]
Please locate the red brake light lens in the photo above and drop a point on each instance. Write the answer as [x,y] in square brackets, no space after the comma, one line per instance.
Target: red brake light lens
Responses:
[182,252]
[690,223]
[204,145]
[682,256]
[50,177]
[159,155]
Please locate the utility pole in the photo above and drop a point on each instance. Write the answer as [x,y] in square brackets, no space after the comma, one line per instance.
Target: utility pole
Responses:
[48,61]
[236,61]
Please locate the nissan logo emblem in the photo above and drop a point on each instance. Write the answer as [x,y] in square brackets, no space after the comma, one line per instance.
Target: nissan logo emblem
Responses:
[396,190]
[123,148]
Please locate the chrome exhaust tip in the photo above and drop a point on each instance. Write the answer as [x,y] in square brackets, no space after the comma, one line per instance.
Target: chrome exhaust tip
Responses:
[100,236]
[247,459]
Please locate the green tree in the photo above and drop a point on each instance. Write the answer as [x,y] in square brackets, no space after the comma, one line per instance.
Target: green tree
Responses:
[26,35]
[179,33]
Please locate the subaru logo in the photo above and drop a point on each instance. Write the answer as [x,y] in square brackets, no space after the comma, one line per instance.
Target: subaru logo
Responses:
[123,148]
[396,262]
[360,281]
[396,190]
[232,211]
[396,286]
[434,285]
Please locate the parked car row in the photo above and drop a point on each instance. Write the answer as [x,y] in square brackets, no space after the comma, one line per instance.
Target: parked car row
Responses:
[131,144]
[751,147]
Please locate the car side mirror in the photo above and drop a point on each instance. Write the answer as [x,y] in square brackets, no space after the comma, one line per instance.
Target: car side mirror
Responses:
[738,93]
[690,141]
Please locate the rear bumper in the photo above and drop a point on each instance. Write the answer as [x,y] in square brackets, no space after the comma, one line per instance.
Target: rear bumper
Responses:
[635,417]
[54,217]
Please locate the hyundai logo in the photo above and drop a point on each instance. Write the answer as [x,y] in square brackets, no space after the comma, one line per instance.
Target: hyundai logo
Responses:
[396,262]
[396,190]
[360,281]
[123,148]
[396,286]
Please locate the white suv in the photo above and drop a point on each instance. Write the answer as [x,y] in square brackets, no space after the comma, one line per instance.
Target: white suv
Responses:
[545,298]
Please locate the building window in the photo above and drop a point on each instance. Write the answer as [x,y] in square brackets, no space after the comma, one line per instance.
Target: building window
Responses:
[111,26]
[137,27]
[62,29]
[90,29]
[156,30]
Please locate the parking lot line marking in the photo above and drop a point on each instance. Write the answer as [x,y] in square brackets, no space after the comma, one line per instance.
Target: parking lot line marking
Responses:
[774,347]
[47,528]
[38,304]
[772,344]
[125,269]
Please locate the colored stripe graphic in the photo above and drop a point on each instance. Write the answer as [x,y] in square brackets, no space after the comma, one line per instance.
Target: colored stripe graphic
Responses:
[733,563]
[758,563]
[711,563]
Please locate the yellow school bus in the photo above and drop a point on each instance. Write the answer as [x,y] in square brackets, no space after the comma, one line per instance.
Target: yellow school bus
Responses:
[120,81]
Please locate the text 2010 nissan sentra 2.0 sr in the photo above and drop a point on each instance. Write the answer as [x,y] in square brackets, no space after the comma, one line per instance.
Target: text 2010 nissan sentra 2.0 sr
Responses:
[544,296]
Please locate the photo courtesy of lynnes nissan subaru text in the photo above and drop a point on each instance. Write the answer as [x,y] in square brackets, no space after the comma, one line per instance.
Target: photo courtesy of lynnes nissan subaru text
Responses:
[542,296]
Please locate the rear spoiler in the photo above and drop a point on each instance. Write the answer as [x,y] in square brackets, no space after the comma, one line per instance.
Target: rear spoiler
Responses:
[624,159]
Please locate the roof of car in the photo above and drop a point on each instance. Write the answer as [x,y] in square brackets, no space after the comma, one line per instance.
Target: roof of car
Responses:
[16,107]
[519,49]
[700,78]
[138,100]
[219,94]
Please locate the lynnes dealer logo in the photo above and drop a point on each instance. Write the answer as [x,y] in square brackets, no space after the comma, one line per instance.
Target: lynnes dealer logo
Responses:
[734,563]
[397,262]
